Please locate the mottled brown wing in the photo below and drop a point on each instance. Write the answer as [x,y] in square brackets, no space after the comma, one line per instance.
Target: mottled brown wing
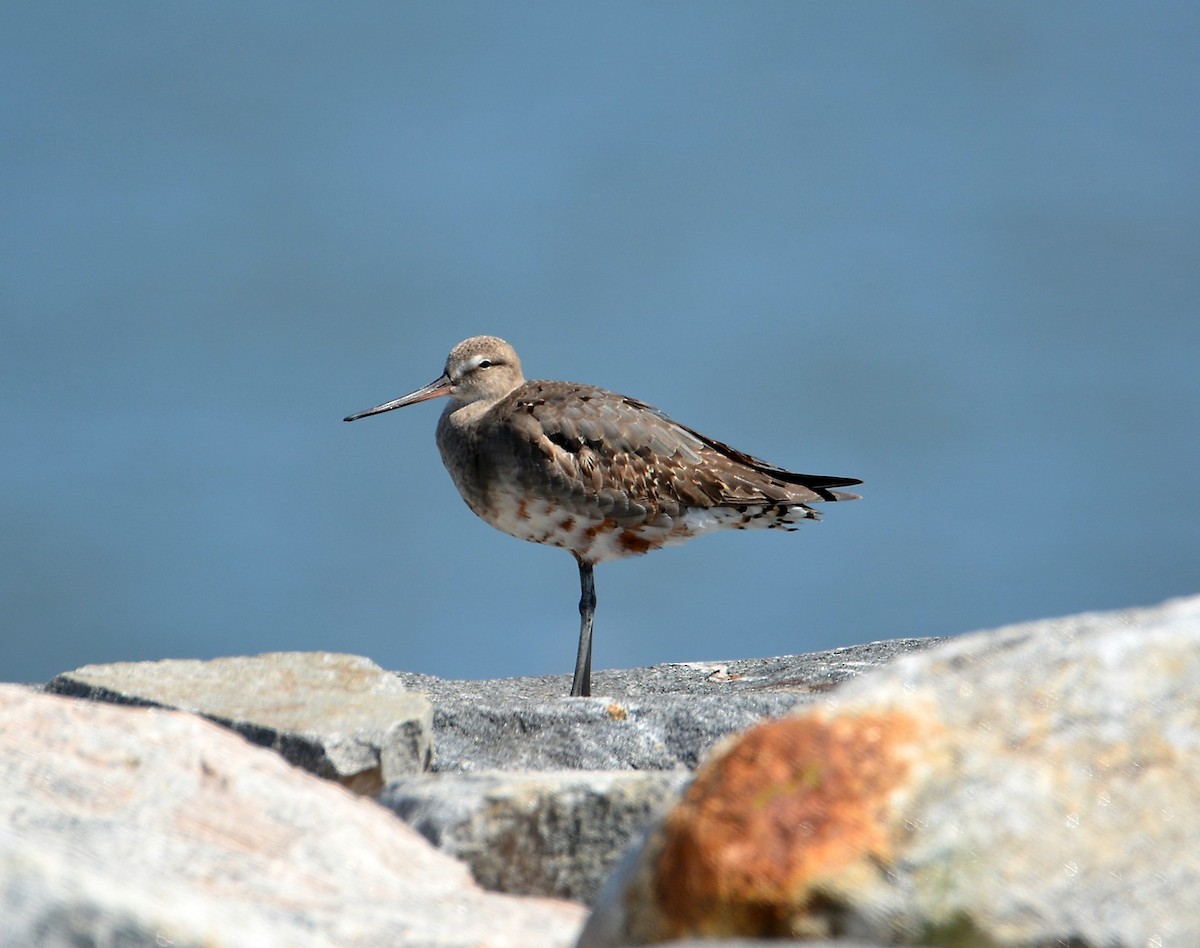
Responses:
[602,454]
[819,484]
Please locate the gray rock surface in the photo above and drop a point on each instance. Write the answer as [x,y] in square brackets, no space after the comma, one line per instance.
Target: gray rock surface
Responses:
[551,833]
[658,718]
[341,717]
[142,826]
[1033,785]
[773,943]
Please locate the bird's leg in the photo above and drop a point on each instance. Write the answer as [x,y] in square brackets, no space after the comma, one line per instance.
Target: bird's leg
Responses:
[581,687]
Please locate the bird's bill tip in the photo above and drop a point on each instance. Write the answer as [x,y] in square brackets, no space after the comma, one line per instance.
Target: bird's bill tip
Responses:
[435,389]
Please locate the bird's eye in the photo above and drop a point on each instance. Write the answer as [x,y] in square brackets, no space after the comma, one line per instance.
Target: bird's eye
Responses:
[485,364]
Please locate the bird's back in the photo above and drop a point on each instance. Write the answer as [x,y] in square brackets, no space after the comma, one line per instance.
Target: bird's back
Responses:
[606,476]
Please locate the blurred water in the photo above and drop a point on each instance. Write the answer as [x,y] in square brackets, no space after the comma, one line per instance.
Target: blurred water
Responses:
[950,250]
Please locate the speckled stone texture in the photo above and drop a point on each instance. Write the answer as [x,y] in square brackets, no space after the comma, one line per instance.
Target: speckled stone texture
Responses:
[1033,785]
[142,826]
[338,716]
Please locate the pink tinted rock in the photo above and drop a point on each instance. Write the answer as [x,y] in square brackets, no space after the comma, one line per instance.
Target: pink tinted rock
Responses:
[143,823]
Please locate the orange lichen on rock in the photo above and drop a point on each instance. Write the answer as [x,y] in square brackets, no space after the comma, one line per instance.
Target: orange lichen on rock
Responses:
[793,802]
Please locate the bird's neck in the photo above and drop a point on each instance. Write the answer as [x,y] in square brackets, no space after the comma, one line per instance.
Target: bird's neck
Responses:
[462,417]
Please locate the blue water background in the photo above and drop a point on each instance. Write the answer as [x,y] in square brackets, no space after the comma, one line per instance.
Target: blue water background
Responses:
[952,249]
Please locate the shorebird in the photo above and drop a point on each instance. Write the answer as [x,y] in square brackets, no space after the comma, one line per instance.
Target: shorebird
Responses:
[596,473]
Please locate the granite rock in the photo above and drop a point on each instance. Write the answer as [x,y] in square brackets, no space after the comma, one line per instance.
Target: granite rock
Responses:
[1033,785]
[549,833]
[770,943]
[142,826]
[338,716]
[540,793]
[659,718]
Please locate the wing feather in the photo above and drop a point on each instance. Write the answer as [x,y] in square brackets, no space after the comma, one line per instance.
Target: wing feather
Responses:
[597,453]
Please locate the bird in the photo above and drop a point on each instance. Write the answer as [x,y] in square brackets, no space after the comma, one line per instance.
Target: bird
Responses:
[598,474]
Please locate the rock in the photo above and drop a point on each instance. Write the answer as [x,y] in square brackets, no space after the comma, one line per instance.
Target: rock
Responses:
[806,674]
[540,793]
[658,718]
[767,943]
[593,734]
[1033,785]
[551,833]
[338,716]
[145,826]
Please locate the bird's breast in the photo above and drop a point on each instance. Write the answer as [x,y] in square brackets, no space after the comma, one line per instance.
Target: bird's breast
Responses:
[594,538]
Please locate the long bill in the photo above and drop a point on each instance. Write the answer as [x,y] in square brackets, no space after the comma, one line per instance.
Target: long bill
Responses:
[435,389]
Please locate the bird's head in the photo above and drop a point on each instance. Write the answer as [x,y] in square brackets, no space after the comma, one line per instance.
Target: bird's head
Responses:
[482,368]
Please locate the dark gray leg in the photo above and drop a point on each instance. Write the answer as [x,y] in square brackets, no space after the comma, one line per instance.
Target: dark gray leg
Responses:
[581,687]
